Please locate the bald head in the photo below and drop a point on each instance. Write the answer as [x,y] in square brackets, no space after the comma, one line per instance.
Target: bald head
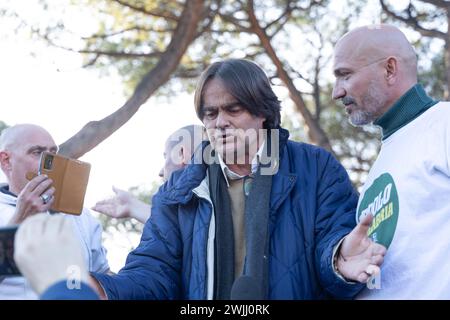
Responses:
[368,44]
[21,147]
[374,66]
[179,147]
[18,135]
[188,136]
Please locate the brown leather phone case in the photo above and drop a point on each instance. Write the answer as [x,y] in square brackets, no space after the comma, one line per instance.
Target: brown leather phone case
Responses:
[70,179]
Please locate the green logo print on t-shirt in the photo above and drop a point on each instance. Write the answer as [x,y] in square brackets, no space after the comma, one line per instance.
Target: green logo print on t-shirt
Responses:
[381,200]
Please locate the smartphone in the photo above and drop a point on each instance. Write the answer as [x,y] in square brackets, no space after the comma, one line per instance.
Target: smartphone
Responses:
[7,264]
[70,179]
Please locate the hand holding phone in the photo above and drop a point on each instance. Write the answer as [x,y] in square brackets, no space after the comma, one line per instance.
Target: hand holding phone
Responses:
[70,178]
[31,199]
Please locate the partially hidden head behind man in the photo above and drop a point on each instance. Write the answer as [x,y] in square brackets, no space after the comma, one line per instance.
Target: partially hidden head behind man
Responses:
[178,149]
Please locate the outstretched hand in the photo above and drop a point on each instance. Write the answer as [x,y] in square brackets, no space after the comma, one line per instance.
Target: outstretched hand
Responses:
[359,257]
[123,205]
[117,206]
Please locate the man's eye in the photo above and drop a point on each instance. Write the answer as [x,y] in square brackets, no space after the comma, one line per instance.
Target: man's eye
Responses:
[345,75]
[234,109]
[210,114]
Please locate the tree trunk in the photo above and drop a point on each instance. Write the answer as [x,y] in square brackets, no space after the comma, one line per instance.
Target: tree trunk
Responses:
[315,132]
[94,132]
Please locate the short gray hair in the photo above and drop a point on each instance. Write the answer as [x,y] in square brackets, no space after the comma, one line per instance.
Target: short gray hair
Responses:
[5,138]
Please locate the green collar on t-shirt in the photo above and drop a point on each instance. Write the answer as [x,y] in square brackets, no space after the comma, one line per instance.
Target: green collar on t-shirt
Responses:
[411,105]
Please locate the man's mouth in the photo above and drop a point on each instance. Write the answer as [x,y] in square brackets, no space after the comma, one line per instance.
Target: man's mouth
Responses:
[224,138]
[348,107]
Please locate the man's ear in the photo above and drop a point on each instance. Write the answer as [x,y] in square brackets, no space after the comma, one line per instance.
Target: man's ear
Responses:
[185,159]
[5,162]
[391,70]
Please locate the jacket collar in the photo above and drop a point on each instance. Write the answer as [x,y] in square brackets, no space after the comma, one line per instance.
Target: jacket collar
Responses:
[179,188]
[4,188]
[231,175]
[7,196]
[411,105]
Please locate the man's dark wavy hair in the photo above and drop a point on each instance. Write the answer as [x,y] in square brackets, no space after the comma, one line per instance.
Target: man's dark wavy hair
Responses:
[248,83]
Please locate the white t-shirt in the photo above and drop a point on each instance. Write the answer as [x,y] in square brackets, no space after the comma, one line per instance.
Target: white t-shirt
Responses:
[87,229]
[408,191]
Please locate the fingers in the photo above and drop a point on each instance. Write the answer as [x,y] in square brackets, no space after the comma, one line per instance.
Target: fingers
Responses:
[31,185]
[363,277]
[99,205]
[364,224]
[37,181]
[117,191]
[105,208]
[46,206]
[359,234]
[377,260]
[370,271]
[31,227]
[378,249]
[55,226]
[63,226]
[122,196]
[37,187]
[39,240]
[107,203]
[52,225]
[42,187]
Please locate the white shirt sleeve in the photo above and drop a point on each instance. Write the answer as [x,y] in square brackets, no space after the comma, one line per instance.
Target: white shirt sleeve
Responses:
[99,262]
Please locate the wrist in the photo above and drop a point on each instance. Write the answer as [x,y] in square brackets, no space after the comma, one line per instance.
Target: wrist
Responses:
[338,261]
[336,264]
[95,284]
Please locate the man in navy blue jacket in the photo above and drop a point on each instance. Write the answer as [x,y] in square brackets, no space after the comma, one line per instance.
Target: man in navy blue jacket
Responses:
[256,216]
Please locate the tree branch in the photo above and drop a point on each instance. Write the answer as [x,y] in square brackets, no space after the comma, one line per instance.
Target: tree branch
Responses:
[95,132]
[285,14]
[439,3]
[158,14]
[316,133]
[237,22]
[118,54]
[98,53]
[412,22]
[134,28]
[208,15]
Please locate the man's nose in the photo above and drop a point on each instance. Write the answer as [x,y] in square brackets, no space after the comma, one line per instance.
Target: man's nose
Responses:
[161,173]
[338,91]
[222,120]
